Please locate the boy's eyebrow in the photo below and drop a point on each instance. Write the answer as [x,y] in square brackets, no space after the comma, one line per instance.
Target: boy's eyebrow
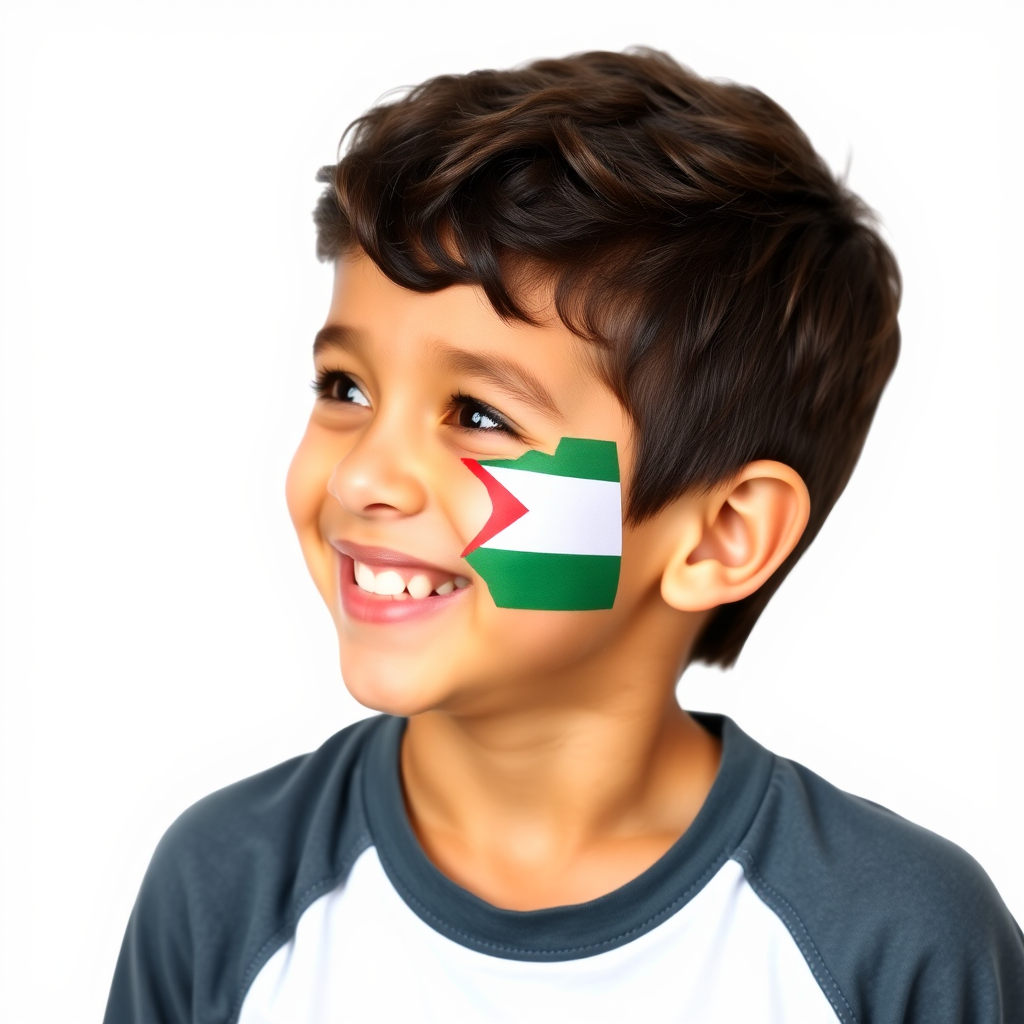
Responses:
[504,374]
[334,336]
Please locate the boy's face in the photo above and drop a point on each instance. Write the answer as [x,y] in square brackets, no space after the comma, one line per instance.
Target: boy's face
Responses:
[409,385]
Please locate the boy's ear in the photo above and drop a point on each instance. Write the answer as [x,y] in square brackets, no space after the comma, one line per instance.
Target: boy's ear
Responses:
[736,536]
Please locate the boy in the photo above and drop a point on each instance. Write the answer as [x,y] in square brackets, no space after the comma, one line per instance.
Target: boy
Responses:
[603,348]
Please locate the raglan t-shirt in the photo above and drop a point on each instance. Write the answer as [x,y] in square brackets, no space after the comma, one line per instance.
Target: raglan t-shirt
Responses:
[302,896]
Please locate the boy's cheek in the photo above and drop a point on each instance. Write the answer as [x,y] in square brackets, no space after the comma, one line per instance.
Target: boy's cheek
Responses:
[310,471]
[305,491]
[464,503]
[300,483]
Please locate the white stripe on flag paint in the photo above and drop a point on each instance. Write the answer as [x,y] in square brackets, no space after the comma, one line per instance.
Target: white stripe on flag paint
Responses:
[568,515]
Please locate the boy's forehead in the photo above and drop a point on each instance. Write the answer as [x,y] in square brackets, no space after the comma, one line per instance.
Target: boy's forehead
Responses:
[364,297]
[363,294]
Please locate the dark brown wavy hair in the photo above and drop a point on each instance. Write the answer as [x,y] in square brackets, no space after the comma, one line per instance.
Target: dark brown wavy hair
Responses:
[739,298]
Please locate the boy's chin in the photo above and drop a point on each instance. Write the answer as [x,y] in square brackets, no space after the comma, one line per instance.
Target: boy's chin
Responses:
[392,689]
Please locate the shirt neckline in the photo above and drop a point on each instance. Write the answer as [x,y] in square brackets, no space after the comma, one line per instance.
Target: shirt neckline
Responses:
[578,930]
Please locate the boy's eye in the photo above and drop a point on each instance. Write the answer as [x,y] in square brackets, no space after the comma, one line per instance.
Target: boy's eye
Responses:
[336,386]
[470,414]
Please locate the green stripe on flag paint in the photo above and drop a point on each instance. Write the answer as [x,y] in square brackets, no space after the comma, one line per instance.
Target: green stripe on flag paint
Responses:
[547,582]
[574,456]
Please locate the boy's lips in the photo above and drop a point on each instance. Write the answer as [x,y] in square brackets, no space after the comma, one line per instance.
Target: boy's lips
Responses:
[372,555]
[381,585]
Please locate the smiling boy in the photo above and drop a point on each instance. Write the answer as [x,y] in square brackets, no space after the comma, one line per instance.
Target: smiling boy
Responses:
[582,283]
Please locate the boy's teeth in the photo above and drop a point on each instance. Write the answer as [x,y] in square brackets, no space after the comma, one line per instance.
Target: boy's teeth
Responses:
[364,577]
[388,583]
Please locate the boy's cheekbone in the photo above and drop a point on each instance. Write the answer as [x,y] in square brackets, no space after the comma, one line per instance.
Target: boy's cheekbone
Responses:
[616,334]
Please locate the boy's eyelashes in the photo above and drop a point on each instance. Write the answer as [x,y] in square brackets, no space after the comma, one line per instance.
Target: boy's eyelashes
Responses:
[335,386]
[464,411]
[470,413]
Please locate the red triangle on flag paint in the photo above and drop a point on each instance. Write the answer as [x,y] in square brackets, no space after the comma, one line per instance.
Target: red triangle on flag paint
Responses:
[506,508]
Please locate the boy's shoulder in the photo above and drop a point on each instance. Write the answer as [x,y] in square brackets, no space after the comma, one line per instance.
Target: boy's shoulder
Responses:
[232,874]
[302,797]
[893,920]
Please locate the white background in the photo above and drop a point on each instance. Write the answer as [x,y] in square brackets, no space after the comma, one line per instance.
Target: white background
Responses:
[159,297]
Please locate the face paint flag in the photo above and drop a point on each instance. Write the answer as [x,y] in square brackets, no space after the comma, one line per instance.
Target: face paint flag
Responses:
[554,537]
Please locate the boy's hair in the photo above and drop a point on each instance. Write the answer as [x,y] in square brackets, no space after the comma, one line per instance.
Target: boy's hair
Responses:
[740,302]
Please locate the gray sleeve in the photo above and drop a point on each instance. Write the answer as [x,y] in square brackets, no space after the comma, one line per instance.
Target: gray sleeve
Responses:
[229,880]
[154,981]
[899,925]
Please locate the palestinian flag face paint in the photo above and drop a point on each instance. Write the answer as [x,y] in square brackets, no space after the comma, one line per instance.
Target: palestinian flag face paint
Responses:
[553,541]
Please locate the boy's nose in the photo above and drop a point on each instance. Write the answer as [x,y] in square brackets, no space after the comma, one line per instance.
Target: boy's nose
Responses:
[375,480]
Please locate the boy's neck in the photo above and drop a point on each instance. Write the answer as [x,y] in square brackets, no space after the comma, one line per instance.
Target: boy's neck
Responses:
[560,801]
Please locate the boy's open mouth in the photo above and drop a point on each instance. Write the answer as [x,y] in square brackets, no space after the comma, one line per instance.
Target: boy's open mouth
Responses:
[381,585]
